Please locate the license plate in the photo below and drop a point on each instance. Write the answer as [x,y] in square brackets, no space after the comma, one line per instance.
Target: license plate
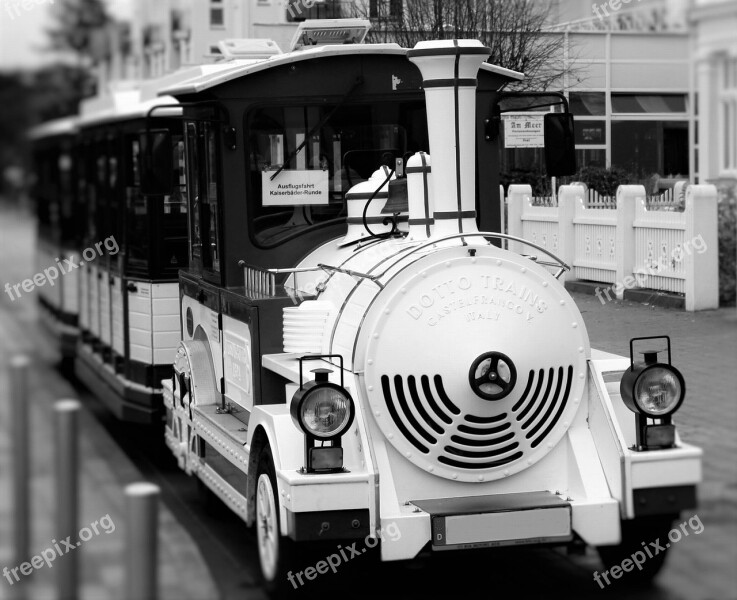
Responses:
[535,526]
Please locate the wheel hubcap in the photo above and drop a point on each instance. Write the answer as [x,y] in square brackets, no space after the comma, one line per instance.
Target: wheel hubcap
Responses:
[266,530]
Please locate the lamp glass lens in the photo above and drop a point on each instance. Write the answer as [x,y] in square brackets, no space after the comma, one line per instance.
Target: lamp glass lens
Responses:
[325,412]
[658,391]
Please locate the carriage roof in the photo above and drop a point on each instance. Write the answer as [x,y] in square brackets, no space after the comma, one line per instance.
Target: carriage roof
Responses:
[56,127]
[212,75]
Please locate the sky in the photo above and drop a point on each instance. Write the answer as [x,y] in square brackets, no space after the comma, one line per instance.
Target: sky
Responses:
[22,31]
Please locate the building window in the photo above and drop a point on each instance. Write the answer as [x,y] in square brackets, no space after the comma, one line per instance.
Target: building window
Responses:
[728,115]
[646,148]
[382,9]
[587,103]
[217,13]
[589,133]
[300,10]
[590,157]
[648,103]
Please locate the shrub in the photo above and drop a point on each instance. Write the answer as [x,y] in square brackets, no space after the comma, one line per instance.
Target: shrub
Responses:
[604,181]
[727,216]
[537,180]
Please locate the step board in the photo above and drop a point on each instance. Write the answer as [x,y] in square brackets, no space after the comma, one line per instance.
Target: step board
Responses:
[224,432]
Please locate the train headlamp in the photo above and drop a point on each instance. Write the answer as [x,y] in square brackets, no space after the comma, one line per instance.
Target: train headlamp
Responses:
[658,390]
[324,411]
[653,391]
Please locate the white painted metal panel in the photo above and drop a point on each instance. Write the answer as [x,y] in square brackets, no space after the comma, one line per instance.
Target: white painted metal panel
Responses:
[238,371]
[94,300]
[165,321]
[105,308]
[70,284]
[84,299]
[118,338]
[139,313]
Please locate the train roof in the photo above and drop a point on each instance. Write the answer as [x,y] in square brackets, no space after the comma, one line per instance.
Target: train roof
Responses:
[205,77]
[123,104]
[61,126]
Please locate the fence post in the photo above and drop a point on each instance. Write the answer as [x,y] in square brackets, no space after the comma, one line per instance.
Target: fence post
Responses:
[702,255]
[20,456]
[518,197]
[66,422]
[568,197]
[142,540]
[627,198]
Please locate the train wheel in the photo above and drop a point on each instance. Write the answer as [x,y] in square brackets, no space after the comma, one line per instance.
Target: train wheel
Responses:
[275,553]
[647,536]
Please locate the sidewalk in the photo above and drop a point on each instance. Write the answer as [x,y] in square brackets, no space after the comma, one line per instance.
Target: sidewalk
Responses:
[104,472]
[704,349]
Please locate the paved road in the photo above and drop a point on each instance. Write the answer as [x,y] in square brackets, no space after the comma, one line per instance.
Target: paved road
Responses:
[700,567]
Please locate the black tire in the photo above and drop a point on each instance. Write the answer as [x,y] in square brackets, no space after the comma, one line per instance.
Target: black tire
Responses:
[634,532]
[274,574]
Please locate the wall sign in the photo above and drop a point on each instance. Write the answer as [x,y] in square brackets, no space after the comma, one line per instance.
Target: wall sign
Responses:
[523,131]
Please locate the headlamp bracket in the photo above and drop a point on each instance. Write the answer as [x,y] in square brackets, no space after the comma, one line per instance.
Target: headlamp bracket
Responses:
[322,458]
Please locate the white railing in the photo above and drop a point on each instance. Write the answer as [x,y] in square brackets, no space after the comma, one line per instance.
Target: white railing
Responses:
[630,241]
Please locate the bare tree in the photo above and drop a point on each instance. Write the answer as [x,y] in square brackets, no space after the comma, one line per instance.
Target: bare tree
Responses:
[514,30]
[77,26]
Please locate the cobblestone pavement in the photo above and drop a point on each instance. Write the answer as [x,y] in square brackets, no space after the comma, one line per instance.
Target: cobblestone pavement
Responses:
[705,350]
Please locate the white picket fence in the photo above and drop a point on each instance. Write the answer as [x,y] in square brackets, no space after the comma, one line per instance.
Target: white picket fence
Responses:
[631,241]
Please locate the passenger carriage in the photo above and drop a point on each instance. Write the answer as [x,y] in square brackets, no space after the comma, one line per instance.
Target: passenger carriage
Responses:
[134,242]
[59,231]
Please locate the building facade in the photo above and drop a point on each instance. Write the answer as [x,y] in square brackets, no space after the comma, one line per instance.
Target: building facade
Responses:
[652,83]
[714,24]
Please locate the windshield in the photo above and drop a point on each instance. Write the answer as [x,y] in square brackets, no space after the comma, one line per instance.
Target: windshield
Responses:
[303,159]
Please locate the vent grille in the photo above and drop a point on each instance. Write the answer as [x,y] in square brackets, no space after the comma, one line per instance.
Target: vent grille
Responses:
[437,427]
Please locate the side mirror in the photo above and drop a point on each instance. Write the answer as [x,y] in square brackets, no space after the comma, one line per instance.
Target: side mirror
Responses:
[156,162]
[560,147]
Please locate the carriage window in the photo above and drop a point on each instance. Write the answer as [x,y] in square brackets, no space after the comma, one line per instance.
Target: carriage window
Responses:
[303,159]
[173,247]
[194,192]
[202,176]
[137,234]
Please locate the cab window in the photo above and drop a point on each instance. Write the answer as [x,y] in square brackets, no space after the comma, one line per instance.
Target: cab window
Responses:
[201,147]
[302,160]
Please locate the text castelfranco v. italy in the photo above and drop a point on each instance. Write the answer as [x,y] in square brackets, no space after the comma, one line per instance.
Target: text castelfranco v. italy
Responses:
[476,294]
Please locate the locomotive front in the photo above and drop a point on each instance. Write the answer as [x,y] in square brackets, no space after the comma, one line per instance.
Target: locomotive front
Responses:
[486,420]
[432,385]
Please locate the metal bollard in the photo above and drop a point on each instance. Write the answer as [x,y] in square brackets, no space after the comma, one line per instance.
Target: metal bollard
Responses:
[21,457]
[66,417]
[142,505]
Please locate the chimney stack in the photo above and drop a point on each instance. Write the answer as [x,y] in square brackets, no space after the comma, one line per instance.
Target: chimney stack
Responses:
[449,69]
